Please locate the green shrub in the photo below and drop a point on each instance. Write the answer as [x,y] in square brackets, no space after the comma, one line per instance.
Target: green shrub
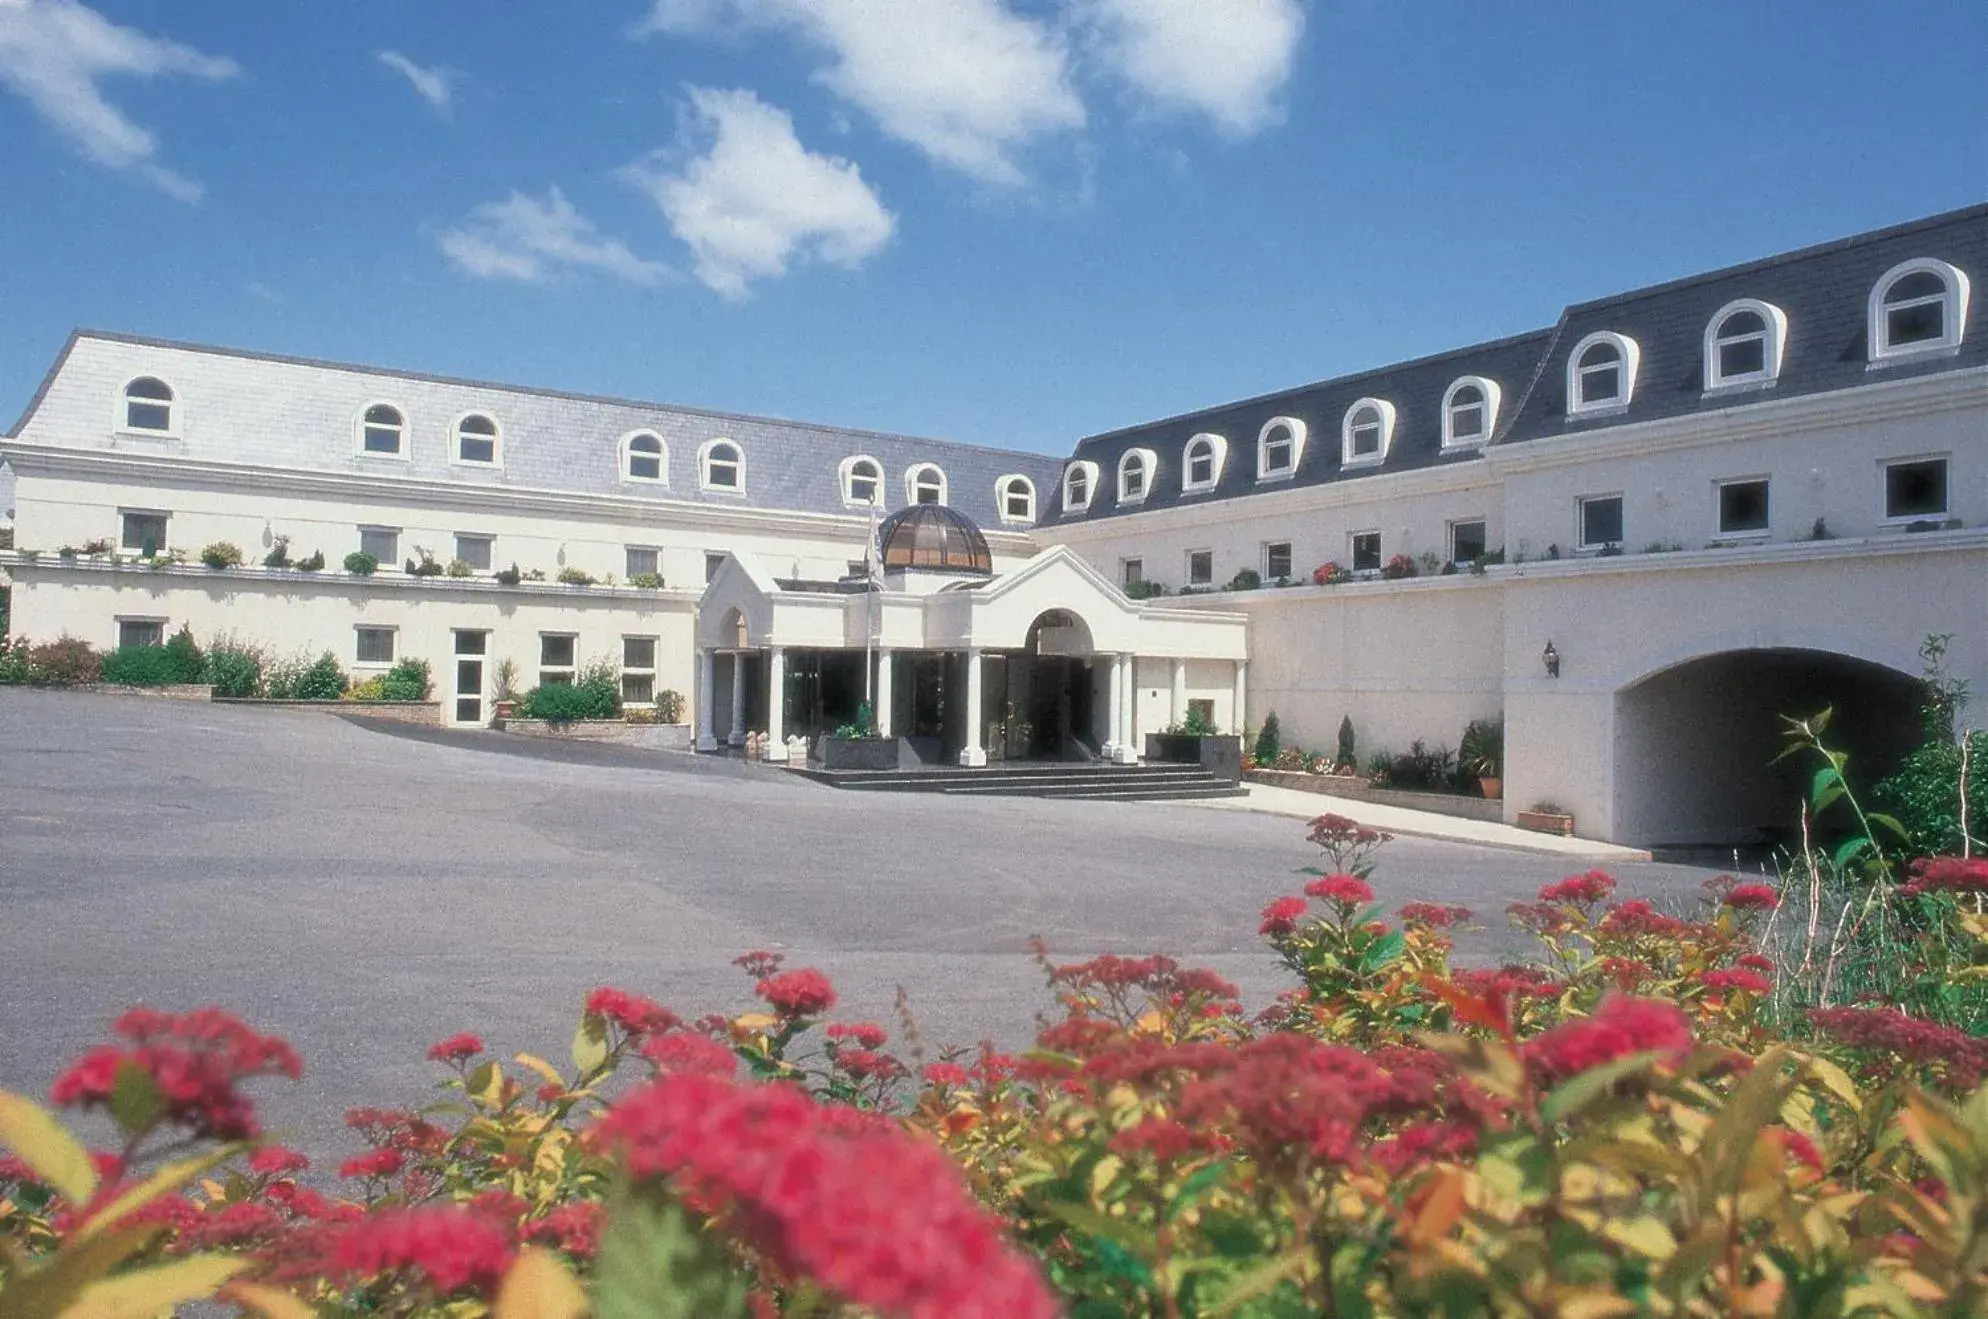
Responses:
[601,680]
[1481,751]
[423,564]
[648,581]
[361,564]
[301,678]
[575,577]
[279,553]
[68,662]
[1246,579]
[368,690]
[15,668]
[313,564]
[1144,589]
[1349,748]
[222,554]
[406,681]
[669,706]
[140,666]
[459,567]
[188,662]
[508,576]
[1924,797]
[1269,741]
[234,667]
[561,701]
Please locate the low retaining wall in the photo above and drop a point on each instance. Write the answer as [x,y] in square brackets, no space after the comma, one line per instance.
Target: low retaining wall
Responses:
[426,713]
[649,737]
[1356,789]
[172,691]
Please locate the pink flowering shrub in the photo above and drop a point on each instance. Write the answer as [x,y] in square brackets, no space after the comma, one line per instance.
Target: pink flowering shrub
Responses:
[1633,1124]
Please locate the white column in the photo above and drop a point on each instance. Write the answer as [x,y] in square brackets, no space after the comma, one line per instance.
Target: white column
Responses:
[1240,718]
[1180,691]
[776,704]
[1114,718]
[882,708]
[973,754]
[738,734]
[707,718]
[1128,726]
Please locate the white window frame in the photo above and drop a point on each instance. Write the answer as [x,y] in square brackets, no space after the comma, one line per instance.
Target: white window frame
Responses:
[161,514]
[496,438]
[401,431]
[1628,357]
[1264,560]
[1217,447]
[845,479]
[626,456]
[571,671]
[1383,419]
[651,670]
[628,572]
[1298,434]
[1719,506]
[1148,464]
[393,645]
[1189,574]
[1773,343]
[1450,533]
[912,483]
[158,621]
[1954,322]
[1884,487]
[1491,394]
[121,422]
[1581,543]
[1089,472]
[1352,553]
[704,452]
[391,560]
[486,537]
[1015,483]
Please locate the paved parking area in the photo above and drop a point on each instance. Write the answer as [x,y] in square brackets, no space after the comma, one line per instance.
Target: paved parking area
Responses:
[366,893]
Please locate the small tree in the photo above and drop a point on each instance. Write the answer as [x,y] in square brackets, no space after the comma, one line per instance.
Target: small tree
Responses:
[1349,749]
[1269,740]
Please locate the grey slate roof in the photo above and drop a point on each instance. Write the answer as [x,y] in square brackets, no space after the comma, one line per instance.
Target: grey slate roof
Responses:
[1823,290]
[301,413]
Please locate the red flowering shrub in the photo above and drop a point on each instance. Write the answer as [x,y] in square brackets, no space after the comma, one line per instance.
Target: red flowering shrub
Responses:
[177,1070]
[1619,1027]
[1947,874]
[1580,890]
[804,993]
[456,1049]
[1752,897]
[1344,890]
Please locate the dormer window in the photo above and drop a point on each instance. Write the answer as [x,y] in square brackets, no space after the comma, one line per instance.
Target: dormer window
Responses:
[476,441]
[1743,344]
[1079,480]
[1919,306]
[1201,463]
[1601,373]
[863,481]
[1015,497]
[148,406]
[1366,432]
[925,484]
[383,430]
[1470,411]
[722,467]
[644,458]
[1135,475]
[1279,445]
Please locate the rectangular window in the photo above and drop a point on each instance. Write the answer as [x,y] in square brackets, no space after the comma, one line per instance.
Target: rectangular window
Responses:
[143,532]
[140,632]
[555,657]
[1743,358]
[1277,561]
[383,543]
[373,645]
[1366,551]
[1131,572]
[1742,507]
[1467,540]
[1917,489]
[1601,522]
[712,562]
[638,670]
[1204,710]
[475,551]
[1277,454]
[642,561]
[1201,567]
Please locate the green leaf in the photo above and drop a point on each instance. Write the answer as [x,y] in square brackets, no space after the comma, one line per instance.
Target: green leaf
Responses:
[1383,951]
[32,1132]
[1849,850]
[135,1101]
[153,1291]
[163,1182]
[1350,1265]
[590,1044]
[1262,1279]
[1889,822]
[49,1290]
[1826,786]
[655,1263]
[1576,1093]
[1200,1180]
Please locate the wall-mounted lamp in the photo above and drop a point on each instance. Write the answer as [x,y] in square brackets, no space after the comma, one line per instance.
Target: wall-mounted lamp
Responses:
[1552,658]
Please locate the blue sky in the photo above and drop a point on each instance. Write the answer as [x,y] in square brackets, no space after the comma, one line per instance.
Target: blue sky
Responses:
[1014,222]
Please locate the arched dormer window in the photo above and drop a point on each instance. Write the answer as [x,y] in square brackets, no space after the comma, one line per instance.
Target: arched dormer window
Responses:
[721,467]
[1201,462]
[1279,446]
[383,431]
[1743,343]
[1601,373]
[1014,496]
[1135,475]
[476,441]
[148,406]
[924,483]
[1366,433]
[1918,306]
[862,479]
[1470,411]
[644,457]
[1080,482]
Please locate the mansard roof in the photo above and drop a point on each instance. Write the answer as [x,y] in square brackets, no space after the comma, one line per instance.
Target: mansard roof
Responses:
[301,413]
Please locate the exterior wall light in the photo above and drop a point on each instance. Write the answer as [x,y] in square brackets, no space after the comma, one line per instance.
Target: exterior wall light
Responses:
[1552,658]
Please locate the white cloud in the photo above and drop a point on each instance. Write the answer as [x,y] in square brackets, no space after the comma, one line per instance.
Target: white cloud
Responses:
[436,85]
[968,82]
[753,198]
[528,239]
[53,52]
[1227,59]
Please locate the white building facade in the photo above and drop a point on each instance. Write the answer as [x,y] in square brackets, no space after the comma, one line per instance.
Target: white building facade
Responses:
[1721,500]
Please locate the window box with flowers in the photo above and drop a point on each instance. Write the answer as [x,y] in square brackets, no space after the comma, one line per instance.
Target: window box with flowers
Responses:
[1399,567]
[1330,574]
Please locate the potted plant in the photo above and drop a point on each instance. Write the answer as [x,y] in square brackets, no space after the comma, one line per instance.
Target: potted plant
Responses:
[1482,752]
[856,745]
[1547,818]
[1195,741]
[504,681]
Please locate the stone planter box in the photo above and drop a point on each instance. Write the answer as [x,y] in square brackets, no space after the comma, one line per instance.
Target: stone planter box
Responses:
[1354,788]
[648,737]
[425,713]
[1547,822]
[859,753]
[1219,753]
[172,691]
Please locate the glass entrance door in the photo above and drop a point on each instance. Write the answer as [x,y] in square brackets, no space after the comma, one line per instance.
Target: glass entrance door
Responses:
[470,649]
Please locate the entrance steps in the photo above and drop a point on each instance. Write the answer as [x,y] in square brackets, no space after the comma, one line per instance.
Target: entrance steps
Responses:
[1065,780]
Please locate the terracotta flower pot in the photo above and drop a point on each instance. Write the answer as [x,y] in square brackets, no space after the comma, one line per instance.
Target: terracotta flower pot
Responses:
[1493,788]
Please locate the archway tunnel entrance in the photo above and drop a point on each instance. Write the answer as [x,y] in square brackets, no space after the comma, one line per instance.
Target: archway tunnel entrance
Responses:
[1695,745]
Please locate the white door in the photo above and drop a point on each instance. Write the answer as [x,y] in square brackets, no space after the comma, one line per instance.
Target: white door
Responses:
[470,649]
